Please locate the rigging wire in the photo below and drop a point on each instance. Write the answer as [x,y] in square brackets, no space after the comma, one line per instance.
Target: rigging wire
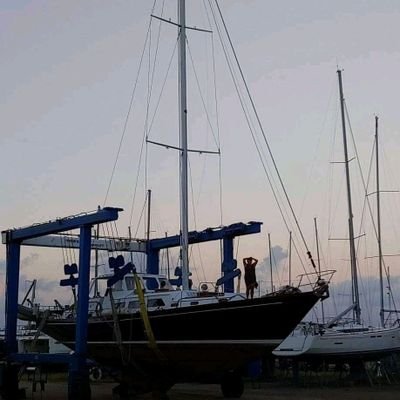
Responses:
[363,214]
[146,120]
[195,223]
[214,70]
[365,187]
[150,84]
[364,184]
[129,112]
[216,138]
[163,85]
[264,136]
[201,95]
[330,180]
[148,133]
[140,218]
[260,153]
[390,178]
[249,122]
[309,179]
[395,234]
[64,250]
[216,118]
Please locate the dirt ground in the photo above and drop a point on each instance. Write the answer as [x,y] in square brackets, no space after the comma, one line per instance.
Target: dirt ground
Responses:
[265,391]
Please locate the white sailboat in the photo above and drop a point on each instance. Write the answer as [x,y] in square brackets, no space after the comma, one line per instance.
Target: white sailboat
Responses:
[331,340]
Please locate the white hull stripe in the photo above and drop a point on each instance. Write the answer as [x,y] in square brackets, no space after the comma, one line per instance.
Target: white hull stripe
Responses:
[127,318]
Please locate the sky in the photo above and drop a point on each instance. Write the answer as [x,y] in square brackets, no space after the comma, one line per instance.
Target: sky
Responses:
[68,69]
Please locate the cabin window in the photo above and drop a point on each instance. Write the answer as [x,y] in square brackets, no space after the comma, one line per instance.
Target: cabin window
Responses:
[151,283]
[130,283]
[155,303]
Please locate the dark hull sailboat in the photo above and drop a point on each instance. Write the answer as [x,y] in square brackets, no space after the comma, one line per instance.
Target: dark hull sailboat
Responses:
[180,335]
[191,342]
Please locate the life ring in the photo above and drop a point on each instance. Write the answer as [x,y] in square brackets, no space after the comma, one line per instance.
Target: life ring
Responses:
[95,374]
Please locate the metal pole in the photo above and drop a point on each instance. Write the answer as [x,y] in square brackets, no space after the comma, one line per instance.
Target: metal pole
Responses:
[183,161]
[78,380]
[378,217]
[11,297]
[270,262]
[96,264]
[83,291]
[168,266]
[389,293]
[353,262]
[319,265]
[148,213]
[290,258]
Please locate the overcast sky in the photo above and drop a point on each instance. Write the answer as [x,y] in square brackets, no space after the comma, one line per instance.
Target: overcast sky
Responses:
[67,71]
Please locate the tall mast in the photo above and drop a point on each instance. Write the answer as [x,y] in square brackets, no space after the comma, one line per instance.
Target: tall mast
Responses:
[319,264]
[96,263]
[270,262]
[168,266]
[378,217]
[183,161]
[148,214]
[290,258]
[353,263]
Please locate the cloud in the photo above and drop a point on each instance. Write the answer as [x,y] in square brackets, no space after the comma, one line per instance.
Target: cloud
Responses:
[29,260]
[278,254]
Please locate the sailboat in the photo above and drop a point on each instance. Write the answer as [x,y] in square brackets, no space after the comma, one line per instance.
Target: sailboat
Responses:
[155,333]
[332,341]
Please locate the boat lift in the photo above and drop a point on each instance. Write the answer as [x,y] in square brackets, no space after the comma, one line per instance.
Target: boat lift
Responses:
[152,247]
[78,380]
[226,234]
[50,234]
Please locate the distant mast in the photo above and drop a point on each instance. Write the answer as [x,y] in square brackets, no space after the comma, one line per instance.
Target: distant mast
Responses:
[183,161]
[378,217]
[270,262]
[290,258]
[319,264]
[353,263]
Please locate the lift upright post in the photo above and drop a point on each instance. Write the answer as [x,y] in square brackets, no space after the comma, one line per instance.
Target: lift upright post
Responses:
[78,384]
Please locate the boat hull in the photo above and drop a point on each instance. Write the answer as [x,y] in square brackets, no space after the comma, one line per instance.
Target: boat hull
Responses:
[194,341]
[369,344]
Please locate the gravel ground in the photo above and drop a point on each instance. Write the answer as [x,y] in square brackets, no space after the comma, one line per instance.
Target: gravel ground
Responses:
[102,391]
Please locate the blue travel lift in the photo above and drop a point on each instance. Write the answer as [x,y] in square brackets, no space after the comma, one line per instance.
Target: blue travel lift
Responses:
[78,380]
[45,234]
[226,234]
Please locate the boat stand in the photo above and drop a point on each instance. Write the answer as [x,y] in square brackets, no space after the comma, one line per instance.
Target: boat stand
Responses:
[78,377]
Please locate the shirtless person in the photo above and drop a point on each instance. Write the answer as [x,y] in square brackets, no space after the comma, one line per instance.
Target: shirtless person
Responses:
[250,275]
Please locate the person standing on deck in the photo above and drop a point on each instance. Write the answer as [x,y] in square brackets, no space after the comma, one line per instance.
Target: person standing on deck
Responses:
[249,264]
